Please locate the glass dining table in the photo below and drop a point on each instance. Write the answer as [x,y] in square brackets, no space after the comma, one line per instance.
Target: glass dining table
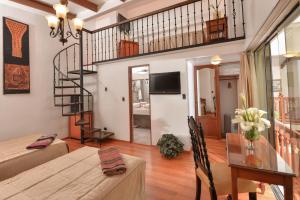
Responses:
[262,164]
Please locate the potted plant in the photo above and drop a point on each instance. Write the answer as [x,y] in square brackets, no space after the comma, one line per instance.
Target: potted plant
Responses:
[170,146]
[251,121]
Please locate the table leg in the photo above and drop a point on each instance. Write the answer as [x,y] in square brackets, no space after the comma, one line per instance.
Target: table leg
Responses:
[288,188]
[234,183]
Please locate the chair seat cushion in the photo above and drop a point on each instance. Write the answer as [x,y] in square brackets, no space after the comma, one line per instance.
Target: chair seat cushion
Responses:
[222,180]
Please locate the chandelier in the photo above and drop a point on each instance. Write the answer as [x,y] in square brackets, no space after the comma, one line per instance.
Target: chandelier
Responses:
[57,23]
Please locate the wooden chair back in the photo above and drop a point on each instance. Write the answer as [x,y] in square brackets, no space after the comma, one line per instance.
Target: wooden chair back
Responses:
[200,153]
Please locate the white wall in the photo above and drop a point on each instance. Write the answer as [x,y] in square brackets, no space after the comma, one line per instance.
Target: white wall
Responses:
[22,114]
[168,112]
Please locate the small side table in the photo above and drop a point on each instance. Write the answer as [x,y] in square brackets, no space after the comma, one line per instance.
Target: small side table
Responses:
[99,136]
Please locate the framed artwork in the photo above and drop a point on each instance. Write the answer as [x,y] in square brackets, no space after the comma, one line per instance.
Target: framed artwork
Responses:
[16,68]
[277,85]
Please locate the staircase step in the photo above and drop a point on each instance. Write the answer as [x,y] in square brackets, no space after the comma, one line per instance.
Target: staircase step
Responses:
[68,104]
[75,113]
[85,72]
[62,95]
[69,95]
[70,79]
[82,122]
[67,86]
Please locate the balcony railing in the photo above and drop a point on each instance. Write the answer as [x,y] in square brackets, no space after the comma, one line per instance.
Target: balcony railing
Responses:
[286,109]
[288,144]
[185,25]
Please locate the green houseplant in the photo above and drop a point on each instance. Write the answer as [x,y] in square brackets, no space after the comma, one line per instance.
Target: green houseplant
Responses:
[170,146]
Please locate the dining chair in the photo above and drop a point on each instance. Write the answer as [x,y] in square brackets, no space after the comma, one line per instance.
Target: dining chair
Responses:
[215,176]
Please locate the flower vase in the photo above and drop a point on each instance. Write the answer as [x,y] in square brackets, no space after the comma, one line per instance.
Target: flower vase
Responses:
[251,136]
[250,145]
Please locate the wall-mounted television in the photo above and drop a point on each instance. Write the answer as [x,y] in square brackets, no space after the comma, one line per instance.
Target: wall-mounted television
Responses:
[165,83]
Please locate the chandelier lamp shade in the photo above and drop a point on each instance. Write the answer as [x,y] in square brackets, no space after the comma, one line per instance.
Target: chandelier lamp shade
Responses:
[57,24]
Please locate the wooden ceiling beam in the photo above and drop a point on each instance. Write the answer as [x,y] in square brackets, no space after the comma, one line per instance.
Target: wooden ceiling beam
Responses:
[41,6]
[87,4]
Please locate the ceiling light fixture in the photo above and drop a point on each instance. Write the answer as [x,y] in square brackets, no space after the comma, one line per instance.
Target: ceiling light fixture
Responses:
[216,60]
[57,23]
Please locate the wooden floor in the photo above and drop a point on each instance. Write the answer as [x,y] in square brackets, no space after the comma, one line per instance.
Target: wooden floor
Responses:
[171,179]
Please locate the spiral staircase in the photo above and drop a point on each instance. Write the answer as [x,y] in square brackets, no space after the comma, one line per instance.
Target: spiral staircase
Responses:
[69,93]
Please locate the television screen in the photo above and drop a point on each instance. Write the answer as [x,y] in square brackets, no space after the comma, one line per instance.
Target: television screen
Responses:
[165,83]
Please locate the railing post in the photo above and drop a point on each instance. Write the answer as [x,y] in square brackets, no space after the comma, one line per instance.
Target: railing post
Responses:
[287,148]
[281,108]
[81,87]
[294,150]
[277,138]
[281,137]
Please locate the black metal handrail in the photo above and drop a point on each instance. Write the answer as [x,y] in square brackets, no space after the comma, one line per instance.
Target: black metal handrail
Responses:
[59,74]
[184,25]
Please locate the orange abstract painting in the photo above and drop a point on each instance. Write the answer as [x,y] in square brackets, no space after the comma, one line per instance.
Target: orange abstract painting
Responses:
[16,68]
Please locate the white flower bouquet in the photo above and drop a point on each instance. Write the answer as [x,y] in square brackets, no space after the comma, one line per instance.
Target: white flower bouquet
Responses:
[251,121]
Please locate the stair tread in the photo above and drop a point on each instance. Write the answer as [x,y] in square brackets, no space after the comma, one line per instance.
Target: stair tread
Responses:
[68,104]
[84,72]
[59,95]
[70,79]
[68,86]
[75,113]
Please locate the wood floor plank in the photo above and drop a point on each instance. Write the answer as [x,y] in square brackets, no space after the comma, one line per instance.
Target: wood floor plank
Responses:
[173,179]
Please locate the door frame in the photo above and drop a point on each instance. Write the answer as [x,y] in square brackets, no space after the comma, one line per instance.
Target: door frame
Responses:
[217,89]
[130,104]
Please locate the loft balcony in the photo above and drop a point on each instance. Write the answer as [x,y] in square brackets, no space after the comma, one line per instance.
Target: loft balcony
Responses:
[181,26]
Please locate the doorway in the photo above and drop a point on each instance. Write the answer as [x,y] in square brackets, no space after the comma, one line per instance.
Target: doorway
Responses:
[139,105]
[207,99]
[229,96]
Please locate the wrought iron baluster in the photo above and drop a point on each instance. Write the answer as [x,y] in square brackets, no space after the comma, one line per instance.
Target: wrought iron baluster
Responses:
[225,9]
[105,46]
[243,19]
[195,23]
[74,50]
[148,35]
[87,49]
[164,32]
[67,62]
[169,19]
[153,42]
[112,43]
[188,22]
[116,42]
[138,32]
[108,41]
[208,1]
[218,20]
[157,19]
[101,46]
[143,36]
[175,27]
[92,47]
[181,24]
[74,63]
[234,16]
[133,32]
[202,23]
